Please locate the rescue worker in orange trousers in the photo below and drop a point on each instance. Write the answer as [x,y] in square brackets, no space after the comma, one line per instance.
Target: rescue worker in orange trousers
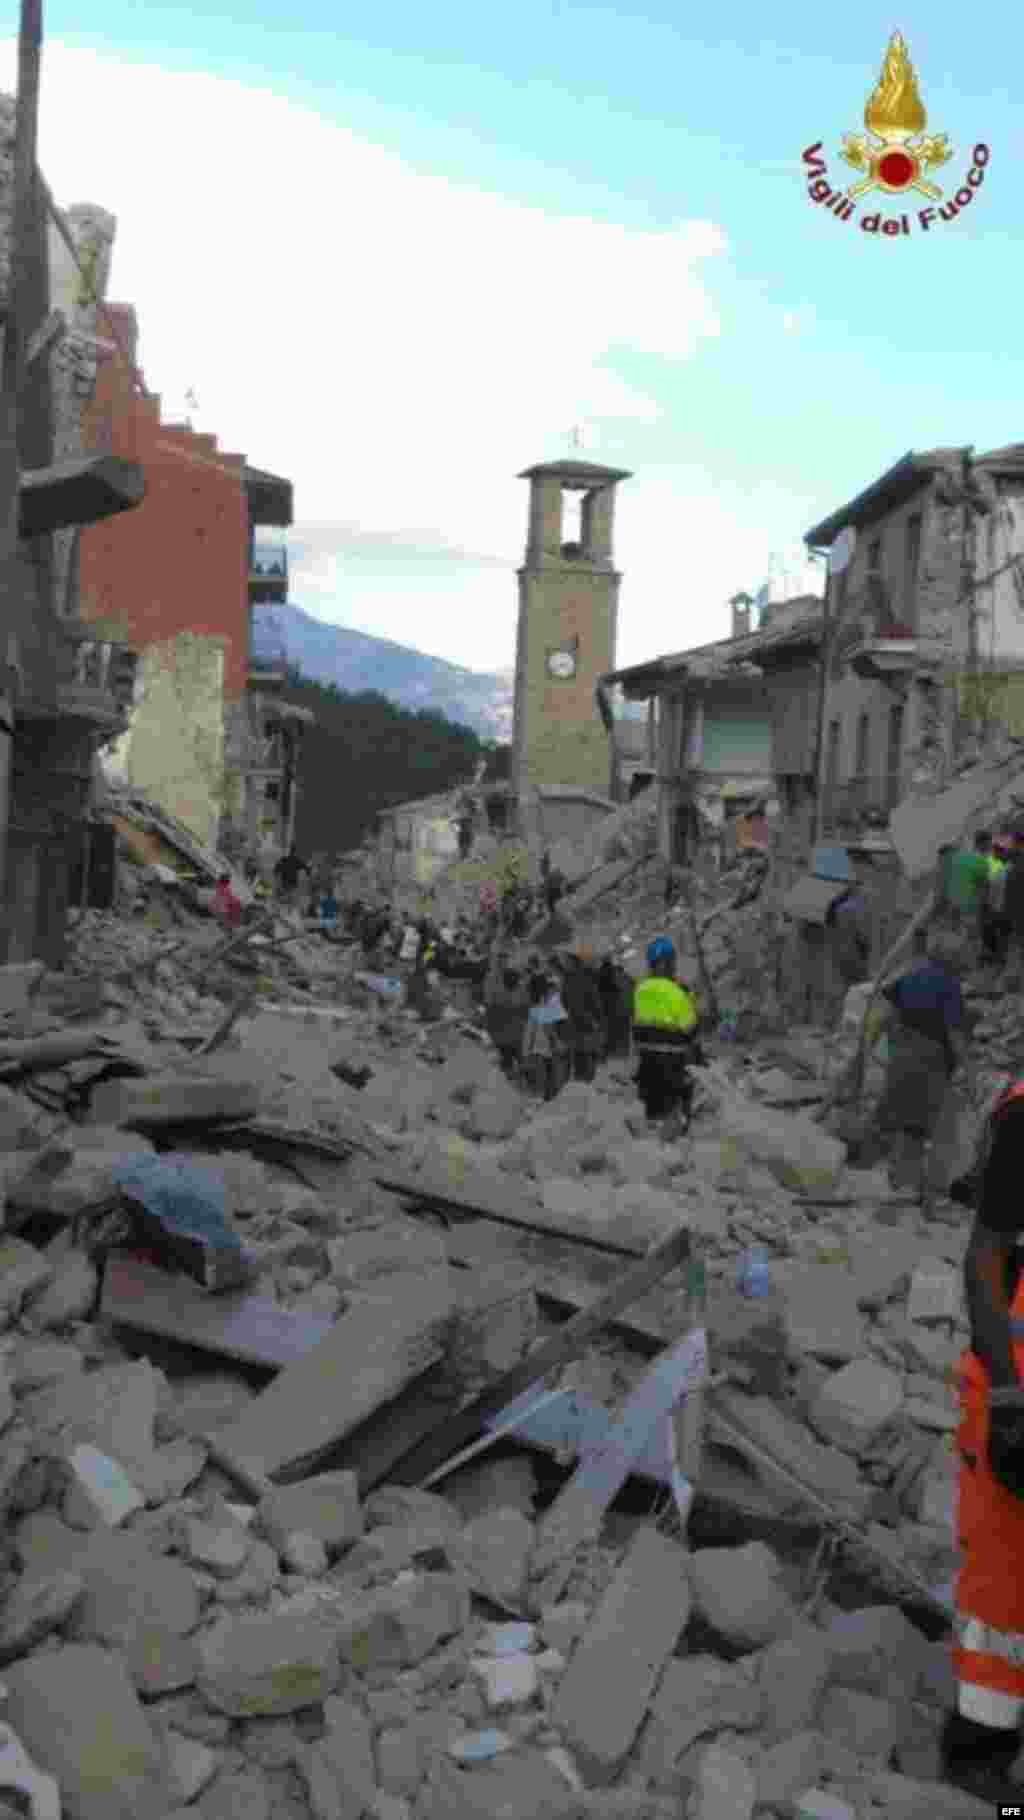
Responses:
[982,1738]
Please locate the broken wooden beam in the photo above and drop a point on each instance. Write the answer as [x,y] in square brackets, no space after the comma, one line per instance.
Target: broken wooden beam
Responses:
[484,1198]
[578,1512]
[555,1353]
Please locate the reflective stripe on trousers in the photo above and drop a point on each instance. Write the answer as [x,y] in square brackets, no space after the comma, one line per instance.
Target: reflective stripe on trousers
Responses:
[988,1652]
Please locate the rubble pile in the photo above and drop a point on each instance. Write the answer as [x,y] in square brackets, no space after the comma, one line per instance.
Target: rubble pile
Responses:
[224,1593]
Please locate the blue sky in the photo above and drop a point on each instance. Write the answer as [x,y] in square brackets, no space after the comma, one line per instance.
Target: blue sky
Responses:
[477,226]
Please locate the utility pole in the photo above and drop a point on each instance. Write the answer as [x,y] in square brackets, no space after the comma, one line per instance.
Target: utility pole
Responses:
[12,575]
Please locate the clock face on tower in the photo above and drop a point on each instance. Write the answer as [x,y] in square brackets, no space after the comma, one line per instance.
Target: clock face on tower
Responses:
[561,665]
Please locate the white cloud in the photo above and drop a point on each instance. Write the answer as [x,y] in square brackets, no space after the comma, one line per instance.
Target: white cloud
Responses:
[397,344]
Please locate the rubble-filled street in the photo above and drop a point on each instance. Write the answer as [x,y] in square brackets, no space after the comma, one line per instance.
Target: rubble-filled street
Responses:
[362,1455]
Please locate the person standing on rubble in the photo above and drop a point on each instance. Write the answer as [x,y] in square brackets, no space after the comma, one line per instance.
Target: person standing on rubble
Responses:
[925,1042]
[982,1738]
[507,1004]
[616,989]
[583,1003]
[288,872]
[967,885]
[665,1024]
[545,1048]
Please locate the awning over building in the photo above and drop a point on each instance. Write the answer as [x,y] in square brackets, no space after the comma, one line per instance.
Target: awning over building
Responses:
[270,498]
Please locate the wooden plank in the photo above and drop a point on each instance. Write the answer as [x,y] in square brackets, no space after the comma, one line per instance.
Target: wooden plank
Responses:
[249,1328]
[578,1511]
[559,1350]
[372,1352]
[476,1194]
[375,1449]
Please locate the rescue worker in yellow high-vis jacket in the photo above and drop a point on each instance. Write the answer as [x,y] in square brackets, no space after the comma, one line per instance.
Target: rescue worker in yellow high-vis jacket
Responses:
[665,1024]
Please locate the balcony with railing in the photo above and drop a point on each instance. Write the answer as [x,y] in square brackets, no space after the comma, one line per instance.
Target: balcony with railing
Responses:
[268,572]
[875,642]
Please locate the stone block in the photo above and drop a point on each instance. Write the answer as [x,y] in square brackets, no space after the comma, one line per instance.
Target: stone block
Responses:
[236,1796]
[69,1296]
[793,1674]
[376,1251]
[493,1552]
[864,1723]
[325,1506]
[739,1592]
[605,1691]
[34,1609]
[19,1121]
[218,1548]
[881,1265]
[788,1766]
[36,1363]
[696,1694]
[855,1404]
[936,1292]
[126,1586]
[497,1112]
[516,1786]
[878,1650]
[726,1786]
[191,1765]
[397,1626]
[18,982]
[23,1272]
[267,1664]
[345,1763]
[822,1316]
[159,1661]
[79,1718]
[400,1759]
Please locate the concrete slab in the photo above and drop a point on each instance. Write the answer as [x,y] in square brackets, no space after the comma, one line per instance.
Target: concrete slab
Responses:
[235,1325]
[606,1689]
[373,1351]
[160,1101]
[80,1718]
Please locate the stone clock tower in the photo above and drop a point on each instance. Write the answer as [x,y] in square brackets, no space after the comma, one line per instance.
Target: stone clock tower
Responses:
[568,614]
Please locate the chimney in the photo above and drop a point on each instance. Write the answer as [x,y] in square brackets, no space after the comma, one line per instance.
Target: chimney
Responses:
[741,605]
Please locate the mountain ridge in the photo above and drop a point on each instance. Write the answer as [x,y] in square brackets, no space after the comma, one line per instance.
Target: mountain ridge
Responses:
[356,661]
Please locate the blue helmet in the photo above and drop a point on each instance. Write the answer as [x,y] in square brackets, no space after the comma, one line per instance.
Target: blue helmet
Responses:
[661,949]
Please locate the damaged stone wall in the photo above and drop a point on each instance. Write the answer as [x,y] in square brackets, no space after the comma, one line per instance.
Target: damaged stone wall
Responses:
[173,749]
[73,363]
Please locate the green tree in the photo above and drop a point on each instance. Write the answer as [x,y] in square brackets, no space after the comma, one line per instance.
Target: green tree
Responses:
[363,754]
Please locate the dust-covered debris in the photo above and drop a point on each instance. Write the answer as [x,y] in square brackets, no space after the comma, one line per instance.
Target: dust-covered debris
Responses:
[219,1642]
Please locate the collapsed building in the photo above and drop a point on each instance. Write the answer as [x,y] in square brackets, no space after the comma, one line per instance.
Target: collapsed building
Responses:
[208,738]
[64,683]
